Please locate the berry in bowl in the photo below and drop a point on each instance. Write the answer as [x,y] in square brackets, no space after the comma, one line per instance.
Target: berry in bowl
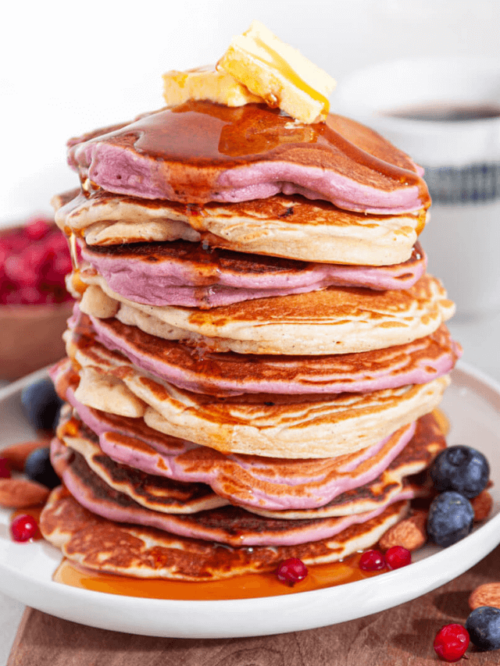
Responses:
[34,303]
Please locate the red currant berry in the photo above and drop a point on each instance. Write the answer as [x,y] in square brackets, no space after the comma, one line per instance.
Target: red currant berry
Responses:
[291,571]
[372,560]
[4,469]
[397,557]
[451,642]
[24,528]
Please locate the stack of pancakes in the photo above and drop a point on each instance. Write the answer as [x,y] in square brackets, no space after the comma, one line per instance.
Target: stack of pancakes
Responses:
[257,350]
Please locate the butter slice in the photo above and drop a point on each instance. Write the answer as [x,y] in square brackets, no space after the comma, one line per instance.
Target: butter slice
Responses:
[278,73]
[205,83]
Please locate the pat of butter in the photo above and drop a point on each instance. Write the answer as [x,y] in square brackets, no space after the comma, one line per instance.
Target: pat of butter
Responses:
[278,73]
[205,83]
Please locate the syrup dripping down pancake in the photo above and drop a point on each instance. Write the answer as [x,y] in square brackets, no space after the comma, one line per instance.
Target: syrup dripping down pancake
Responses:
[200,151]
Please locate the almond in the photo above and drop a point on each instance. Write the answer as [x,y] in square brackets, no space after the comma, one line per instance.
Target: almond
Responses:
[21,493]
[17,454]
[482,505]
[485,595]
[409,533]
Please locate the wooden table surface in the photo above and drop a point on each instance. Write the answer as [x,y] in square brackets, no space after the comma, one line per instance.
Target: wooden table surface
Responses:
[402,636]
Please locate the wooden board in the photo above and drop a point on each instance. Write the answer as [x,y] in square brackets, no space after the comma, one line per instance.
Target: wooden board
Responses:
[402,636]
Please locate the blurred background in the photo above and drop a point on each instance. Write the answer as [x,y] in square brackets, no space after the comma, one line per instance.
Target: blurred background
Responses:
[67,68]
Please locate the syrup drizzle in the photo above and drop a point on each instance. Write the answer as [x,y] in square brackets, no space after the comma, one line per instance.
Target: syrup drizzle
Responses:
[202,134]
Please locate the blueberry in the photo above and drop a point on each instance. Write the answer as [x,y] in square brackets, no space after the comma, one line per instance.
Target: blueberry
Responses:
[450,518]
[39,468]
[483,625]
[460,468]
[41,404]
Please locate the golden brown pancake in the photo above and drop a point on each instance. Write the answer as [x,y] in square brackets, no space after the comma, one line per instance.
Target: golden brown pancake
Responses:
[142,552]
[281,226]
[417,362]
[333,321]
[230,525]
[153,492]
[283,426]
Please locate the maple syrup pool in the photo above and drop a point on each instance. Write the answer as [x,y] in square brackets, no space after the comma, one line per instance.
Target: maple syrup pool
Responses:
[240,587]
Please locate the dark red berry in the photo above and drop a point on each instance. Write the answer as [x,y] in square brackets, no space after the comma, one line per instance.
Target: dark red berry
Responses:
[397,557]
[291,571]
[372,560]
[451,642]
[24,528]
[4,469]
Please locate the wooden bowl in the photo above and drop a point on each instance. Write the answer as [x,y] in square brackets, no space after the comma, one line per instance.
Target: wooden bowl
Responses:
[31,337]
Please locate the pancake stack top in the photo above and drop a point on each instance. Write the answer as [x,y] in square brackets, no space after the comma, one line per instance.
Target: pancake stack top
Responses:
[257,350]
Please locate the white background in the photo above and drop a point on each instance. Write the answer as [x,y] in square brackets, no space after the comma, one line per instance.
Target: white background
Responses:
[68,67]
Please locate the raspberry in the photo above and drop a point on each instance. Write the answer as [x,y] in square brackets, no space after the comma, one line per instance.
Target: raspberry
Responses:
[24,528]
[291,571]
[397,557]
[4,469]
[20,271]
[33,262]
[372,560]
[37,228]
[451,642]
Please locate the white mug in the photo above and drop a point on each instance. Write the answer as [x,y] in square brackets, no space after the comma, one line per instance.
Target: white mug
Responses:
[461,159]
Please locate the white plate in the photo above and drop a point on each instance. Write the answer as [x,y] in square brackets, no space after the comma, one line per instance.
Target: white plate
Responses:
[473,405]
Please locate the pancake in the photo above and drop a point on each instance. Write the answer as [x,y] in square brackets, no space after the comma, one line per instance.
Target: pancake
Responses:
[404,478]
[152,492]
[229,525]
[289,227]
[333,321]
[194,275]
[200,151]
[252,481]
[104,546]
[164,496]
[417,362]
[282,426]
[273,488]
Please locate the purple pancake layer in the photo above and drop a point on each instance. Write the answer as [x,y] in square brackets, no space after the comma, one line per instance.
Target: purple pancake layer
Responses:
[186,274]
[273,484]
[228,525]
[223,374]
[200,152]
